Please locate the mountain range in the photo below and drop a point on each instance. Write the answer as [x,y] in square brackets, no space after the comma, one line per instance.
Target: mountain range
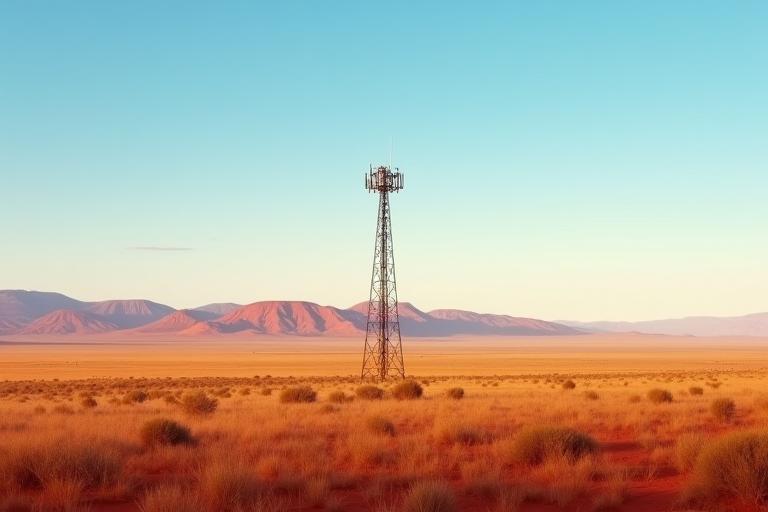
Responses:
[47,313]
[28,313]
[746,325]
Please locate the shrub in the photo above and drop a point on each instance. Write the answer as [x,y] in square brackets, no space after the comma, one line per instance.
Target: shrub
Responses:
[569,384]
[430,497]
[89,402]
[658,396]
[687,449]
[198,404]
[169,499]
[407,390]
[136,396]
[369,392]
[696,390]
[723,409]
[633,399]
[163,431]
[298,394]
[339,397]
[536,444]
[455,393]
[735,466]
[266,391]
[591,395]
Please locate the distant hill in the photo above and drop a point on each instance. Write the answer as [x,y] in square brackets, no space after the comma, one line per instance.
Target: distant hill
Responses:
[748,325]
[67,321]
[218,308]
[20,307]
[127,314]
[451,322]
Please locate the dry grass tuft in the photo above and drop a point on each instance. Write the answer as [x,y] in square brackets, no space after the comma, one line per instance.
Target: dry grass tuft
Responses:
[687,449]
[339,397]
[723,409]
[89,402]
[380,425]
[658,396]
[568,385]
[455,432]
[407,390]
[455,393]
[369,392]
[298,394]
[170,499]
[736,466]
[165,432]
[535,445]
[696,390]
[430,497]
[230,487]
[198,404]
[91,465]
[136,396]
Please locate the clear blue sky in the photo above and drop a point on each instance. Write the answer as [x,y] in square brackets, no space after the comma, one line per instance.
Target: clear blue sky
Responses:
[580,160]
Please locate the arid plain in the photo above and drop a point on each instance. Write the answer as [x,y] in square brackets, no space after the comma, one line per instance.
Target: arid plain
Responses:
[593,422]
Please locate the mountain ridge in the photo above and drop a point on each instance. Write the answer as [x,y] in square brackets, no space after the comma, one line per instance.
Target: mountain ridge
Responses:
[20,315]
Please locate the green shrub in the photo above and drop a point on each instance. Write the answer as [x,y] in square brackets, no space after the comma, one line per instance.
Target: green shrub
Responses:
[735,466]
[198,404]
[369,392]
[455,393]
[164,432]
[298,394]
[380,425]
[430,497]
[407,390]
[534,445]
[723,409]
[658,396]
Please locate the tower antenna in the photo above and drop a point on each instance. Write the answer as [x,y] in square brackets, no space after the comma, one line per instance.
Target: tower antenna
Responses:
[383,351]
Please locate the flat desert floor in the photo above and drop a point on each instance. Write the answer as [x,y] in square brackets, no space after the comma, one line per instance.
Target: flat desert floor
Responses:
[586,423]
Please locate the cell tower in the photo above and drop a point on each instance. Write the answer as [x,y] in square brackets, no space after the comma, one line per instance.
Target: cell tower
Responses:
[383,354]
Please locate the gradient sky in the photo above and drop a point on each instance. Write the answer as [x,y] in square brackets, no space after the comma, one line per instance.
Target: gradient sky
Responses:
[563,160]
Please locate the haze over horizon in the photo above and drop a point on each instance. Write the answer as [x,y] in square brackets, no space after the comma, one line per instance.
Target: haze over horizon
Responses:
[574,162]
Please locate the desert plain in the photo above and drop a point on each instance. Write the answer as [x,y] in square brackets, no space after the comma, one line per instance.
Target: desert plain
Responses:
[560,423]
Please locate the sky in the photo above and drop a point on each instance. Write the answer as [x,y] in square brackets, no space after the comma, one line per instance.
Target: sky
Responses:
[563,160]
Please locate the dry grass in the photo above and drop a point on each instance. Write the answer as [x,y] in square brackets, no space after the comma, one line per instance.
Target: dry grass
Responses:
[723,409]
[659,396]
[198,404]
[407,390]
[735,465]
[256,453]
[165,432]
[298,394]
[534,445]
[430,497]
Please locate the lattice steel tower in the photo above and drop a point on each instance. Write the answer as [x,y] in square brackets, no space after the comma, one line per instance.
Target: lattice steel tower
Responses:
[383,354]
